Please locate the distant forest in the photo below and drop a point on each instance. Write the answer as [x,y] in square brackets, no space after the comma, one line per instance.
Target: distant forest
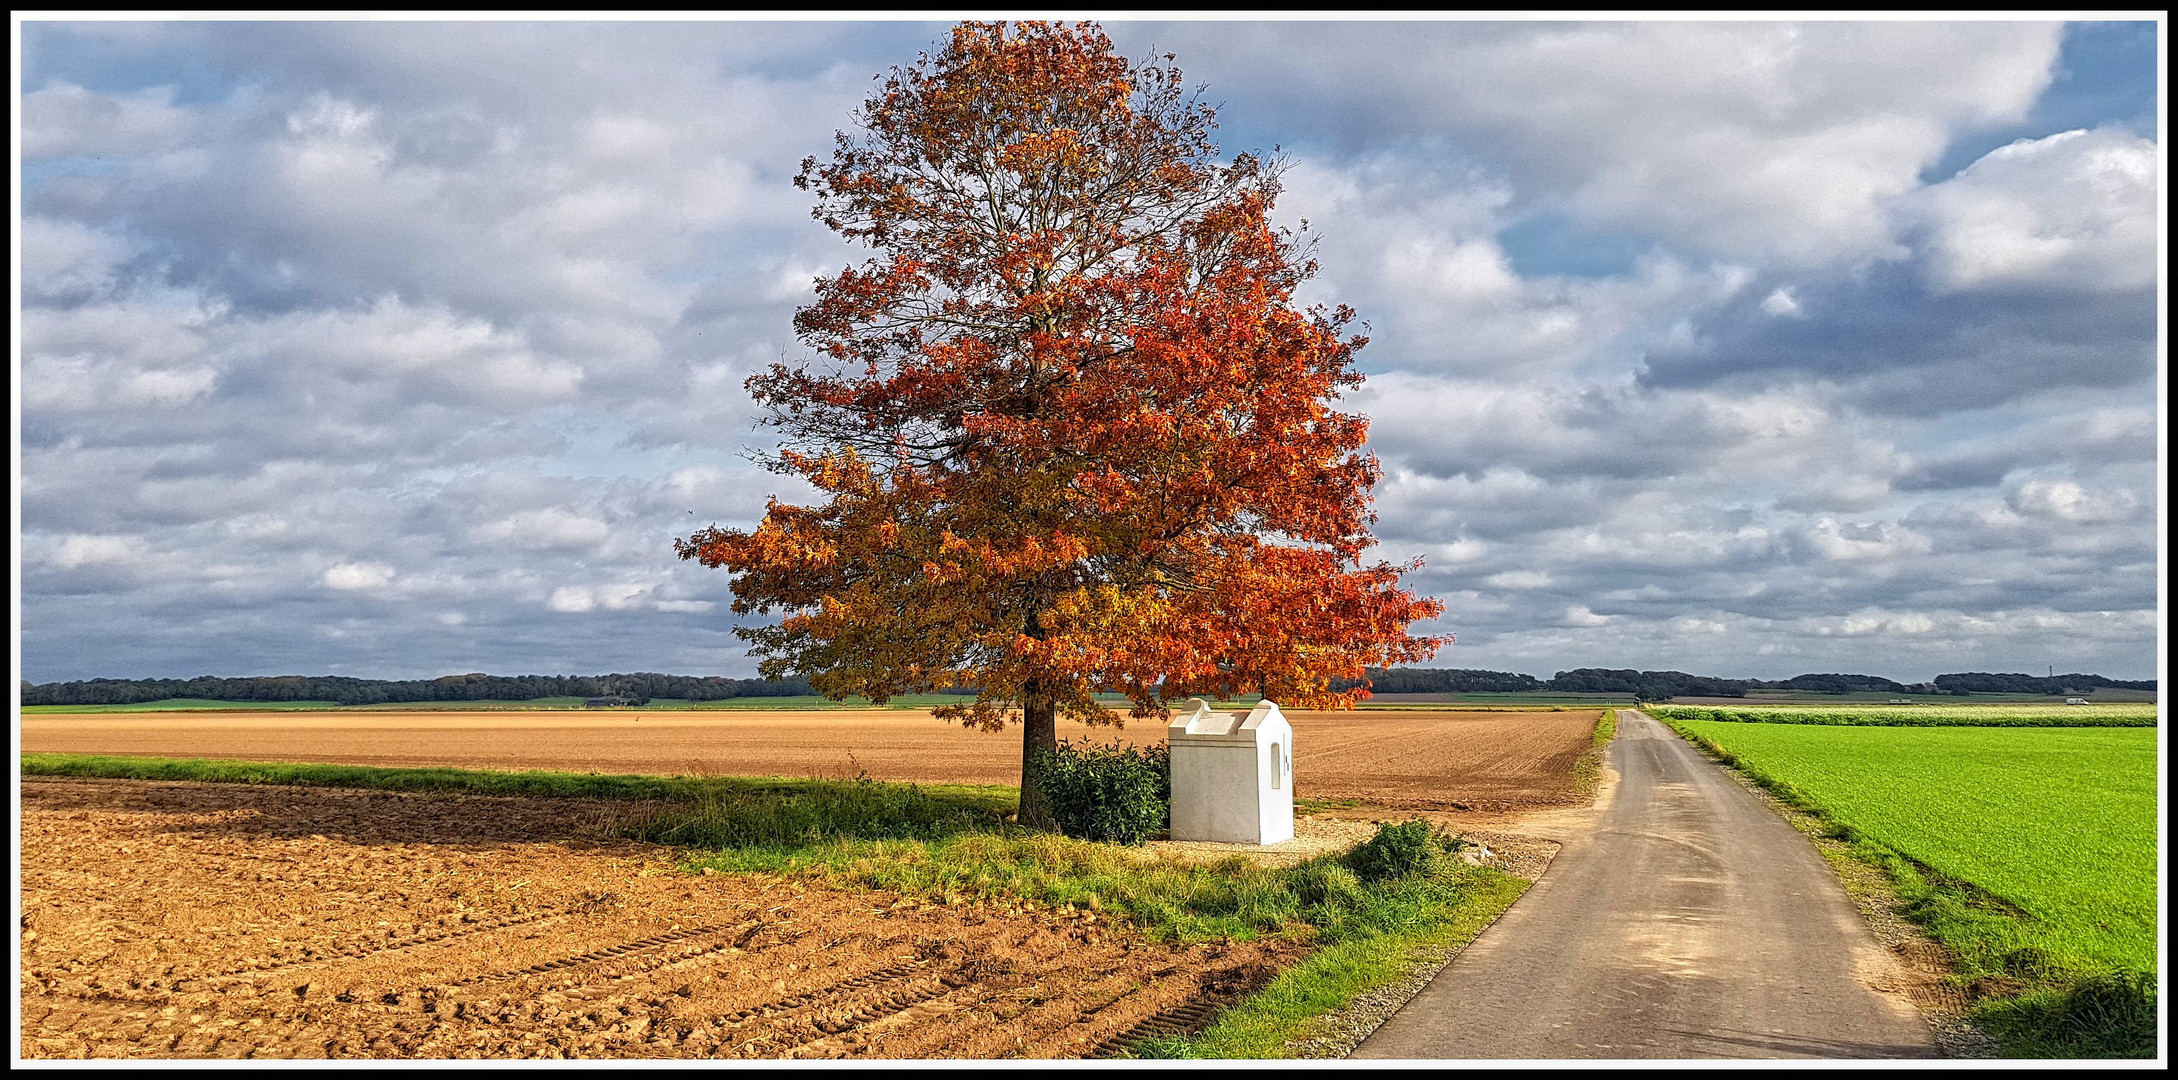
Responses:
[643,686]
[1665,685]
[639,687]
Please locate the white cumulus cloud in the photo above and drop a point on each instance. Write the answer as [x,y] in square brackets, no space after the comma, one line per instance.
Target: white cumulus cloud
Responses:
[2067,500]
[358,577]
[76,551]
[609,597]
[2073,212]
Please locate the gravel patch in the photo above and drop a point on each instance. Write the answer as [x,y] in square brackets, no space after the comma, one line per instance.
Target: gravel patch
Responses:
[1313,835]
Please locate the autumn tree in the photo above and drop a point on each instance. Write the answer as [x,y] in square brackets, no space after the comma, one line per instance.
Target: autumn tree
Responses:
[1072,433]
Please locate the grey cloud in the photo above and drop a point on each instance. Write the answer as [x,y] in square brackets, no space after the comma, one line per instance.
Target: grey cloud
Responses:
[1903,645]
[67,264]
[1460,428]
[2081,431]
[2033,270]
[1983,469]
[1902,350]
[65,120]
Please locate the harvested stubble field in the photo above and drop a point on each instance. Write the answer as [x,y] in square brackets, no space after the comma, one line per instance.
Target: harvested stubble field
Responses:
[225,920]
[1420,760]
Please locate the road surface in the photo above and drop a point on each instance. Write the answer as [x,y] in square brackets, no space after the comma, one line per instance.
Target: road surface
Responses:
[1682,919]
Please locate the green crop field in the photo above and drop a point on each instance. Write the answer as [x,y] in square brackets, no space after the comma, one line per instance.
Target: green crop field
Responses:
[2059,822]
[2128,714]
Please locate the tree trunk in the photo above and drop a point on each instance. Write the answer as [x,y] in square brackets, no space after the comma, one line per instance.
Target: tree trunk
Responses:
[1039,731]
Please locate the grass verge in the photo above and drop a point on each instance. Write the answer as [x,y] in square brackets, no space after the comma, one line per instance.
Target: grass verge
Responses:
[2050,976]
[1589,768]
[1399,940]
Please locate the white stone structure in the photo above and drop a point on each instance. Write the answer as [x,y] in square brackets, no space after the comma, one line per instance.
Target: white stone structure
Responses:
[1232,777]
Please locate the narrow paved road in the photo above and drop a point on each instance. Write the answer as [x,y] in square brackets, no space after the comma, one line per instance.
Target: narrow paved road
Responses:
[1689,921]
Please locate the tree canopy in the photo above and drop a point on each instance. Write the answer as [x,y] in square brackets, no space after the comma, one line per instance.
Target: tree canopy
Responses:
[1072,432]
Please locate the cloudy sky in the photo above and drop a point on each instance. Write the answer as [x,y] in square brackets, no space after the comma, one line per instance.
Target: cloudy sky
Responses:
[401,349]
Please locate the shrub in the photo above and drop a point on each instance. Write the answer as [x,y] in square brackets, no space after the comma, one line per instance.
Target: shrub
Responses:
[1396,851]
[1111,794]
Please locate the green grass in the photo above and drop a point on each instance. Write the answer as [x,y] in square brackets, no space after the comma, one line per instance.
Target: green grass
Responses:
[1303,806]
[1401,932]
[980,799]
[2030,853]
[2132,714]
[1588,770]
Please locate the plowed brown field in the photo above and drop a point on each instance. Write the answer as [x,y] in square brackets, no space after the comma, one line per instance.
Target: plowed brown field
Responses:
[226,920]
[1415,759]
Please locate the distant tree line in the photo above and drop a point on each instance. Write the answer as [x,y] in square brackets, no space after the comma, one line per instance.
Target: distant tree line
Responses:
[1666,685]
[1443,681]
[1646,685]
[1839,684]
[477,686]
[1981,682]
[643,686]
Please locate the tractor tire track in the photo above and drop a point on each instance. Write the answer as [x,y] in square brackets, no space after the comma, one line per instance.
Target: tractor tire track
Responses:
[359,951]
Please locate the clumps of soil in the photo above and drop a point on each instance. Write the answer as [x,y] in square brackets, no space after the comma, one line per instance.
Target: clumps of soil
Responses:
[209,921]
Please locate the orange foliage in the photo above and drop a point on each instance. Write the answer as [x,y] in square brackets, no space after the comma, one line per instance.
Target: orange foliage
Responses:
[1073,434]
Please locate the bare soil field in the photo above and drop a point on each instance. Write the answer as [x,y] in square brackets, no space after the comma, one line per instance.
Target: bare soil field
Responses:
[1421,759]
[222,920]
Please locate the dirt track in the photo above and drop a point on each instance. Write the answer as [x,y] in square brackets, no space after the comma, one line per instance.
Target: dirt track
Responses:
[225,920]
[1683,920]
[1408,759]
